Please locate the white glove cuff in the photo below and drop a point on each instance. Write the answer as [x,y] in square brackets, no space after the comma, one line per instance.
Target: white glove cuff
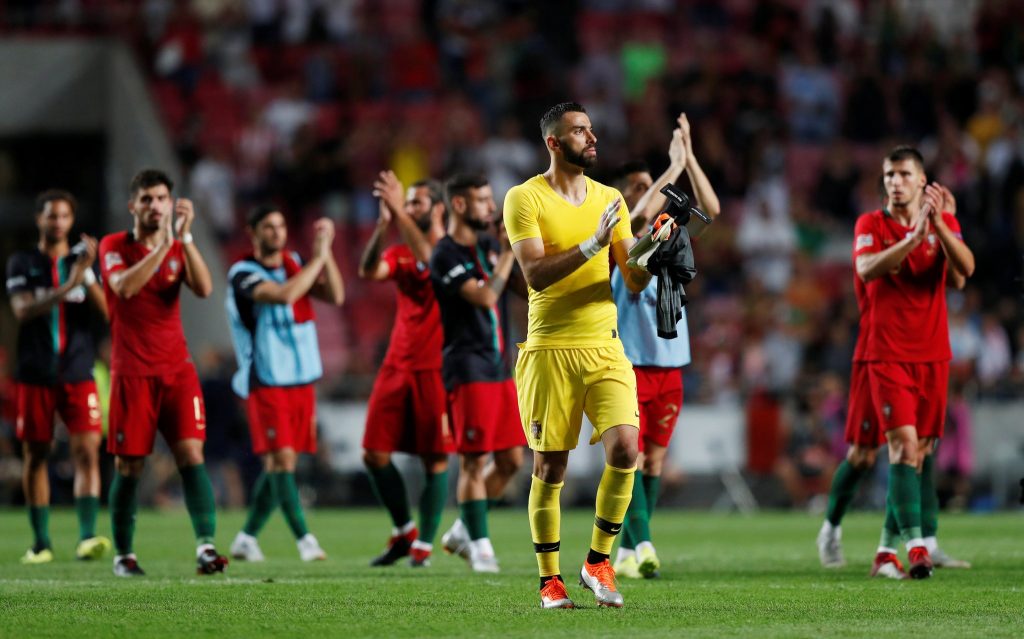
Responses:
[590,247]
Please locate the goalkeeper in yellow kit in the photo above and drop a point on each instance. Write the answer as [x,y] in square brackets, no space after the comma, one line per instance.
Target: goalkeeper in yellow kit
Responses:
[572,361]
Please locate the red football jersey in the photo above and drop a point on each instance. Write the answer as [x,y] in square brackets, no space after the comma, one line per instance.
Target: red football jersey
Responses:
[417,337]
[146,333]
[906,308]
[865,321]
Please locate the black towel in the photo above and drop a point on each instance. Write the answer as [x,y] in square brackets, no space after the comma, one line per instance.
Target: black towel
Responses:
[672,262]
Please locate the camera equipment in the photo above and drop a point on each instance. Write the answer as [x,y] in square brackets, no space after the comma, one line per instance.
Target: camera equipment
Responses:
[679,206]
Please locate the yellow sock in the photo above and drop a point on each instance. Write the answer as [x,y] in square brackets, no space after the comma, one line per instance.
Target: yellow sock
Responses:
[545,524]
[613,495]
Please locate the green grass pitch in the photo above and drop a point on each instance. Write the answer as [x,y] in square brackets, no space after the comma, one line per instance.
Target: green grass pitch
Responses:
[723,576]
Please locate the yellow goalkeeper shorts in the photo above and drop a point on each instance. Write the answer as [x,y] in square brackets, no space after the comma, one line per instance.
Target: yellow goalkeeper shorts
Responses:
[557,386]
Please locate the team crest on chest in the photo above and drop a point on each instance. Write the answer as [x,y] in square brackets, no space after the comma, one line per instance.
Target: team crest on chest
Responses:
[173,266]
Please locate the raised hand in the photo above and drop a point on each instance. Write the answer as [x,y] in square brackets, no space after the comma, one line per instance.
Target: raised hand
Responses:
[684,128]
[932,199]
[324,229]
[921,224]
[184,214]
[83,262]
[677,149]
[948,201]
[609,218]
[388,188]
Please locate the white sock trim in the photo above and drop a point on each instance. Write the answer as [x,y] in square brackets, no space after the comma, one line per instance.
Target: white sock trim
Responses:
[481,547]
[201,548]
[886,549]
[422,545]
[643,546]
[406,529]
[932,544]
[915,542]
[624,554]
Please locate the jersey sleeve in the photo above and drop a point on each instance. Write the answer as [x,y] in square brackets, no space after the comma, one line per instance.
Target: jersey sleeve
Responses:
[954,225]
[623,229]
[520,215]
[245,280]
[448,272]
[865,237]
[390,257]
[17,274]
[111,259]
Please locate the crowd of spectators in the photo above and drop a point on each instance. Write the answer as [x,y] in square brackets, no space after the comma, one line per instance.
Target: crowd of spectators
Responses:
[793,105]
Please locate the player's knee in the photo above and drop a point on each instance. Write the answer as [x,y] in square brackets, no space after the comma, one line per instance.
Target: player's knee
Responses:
[85,457]
[472,465]
[36,454]
[130,466]
[902,451]
[280,461]
[188,456]
[622,453]
[861,458]
[376,458]
[550,470]
[508,464]
[652,467]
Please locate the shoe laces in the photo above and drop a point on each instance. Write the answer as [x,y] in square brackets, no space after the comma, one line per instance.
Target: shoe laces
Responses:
[918,554]
[554,590]
[604,573]
[890,558]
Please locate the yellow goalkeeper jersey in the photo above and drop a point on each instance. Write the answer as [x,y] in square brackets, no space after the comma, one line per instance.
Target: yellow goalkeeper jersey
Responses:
[577,311]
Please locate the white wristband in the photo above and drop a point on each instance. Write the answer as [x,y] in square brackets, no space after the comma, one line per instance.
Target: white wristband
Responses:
[590,247]
[186,238]
[88,278]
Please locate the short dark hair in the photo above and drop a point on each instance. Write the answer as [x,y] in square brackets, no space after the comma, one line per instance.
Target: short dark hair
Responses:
[629,168]
[906,152]
[434,190]
[53,195]
[553,116]
[461,183]
[148,178]
[259,212]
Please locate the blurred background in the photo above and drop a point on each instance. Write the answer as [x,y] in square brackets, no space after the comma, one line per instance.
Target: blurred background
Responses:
[793,104]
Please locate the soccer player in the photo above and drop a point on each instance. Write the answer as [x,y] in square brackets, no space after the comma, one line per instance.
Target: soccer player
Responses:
[657,362]
[274,335]
[153,381]
[572,362]
[407,410]
[903,255]
[469,270]
[51,288]
[863,435]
